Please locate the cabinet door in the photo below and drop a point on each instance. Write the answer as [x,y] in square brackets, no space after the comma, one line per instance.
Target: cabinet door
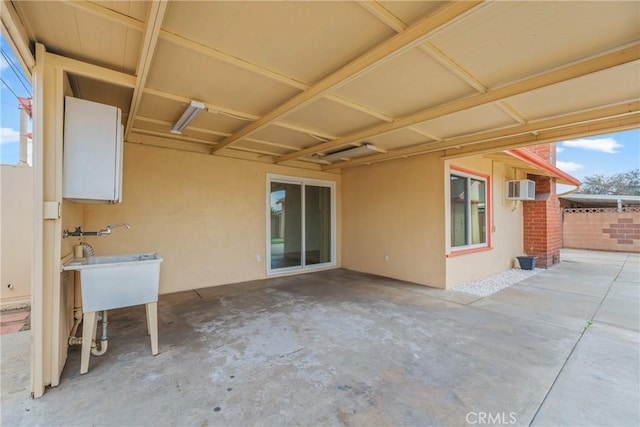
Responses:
[92,151]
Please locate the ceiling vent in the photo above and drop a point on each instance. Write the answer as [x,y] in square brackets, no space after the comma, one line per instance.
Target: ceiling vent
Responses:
[523,189]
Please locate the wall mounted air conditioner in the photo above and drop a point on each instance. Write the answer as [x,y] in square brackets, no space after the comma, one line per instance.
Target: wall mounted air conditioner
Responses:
[523,189]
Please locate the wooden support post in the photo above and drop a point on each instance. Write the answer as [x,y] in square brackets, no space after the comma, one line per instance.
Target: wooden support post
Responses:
[152,325]
[88,331]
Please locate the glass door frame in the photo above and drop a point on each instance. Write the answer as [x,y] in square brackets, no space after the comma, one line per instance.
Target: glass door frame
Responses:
[285,179]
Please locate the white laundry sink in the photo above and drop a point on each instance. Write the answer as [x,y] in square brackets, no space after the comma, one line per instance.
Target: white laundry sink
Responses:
[115,281]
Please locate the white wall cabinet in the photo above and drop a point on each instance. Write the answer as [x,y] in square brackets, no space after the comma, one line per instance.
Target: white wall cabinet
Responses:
[93,146]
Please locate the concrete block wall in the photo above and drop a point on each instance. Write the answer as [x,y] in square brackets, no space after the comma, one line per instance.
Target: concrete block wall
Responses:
[601,229]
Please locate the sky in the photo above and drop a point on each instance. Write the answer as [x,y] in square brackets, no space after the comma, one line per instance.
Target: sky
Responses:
[10,114]
[604,154]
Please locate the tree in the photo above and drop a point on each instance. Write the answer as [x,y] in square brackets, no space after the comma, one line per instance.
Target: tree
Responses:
[621,184]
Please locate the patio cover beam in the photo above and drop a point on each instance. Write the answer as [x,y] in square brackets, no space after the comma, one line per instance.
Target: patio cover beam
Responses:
[380,12]
[202,148]
[92,71]
[168,124]
[265,72]
[375,57]
[579,130]
[217,109]
[591,122]
[109,14]
[230,59]
[211,108]
[609,60]
[149,42]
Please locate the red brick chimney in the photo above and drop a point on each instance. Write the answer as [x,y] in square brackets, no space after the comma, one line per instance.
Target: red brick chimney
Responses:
[542,217]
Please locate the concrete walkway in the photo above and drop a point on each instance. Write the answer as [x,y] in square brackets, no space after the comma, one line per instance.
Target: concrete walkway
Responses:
[344,348]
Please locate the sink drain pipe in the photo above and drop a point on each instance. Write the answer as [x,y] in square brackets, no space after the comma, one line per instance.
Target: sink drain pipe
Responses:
[104,341]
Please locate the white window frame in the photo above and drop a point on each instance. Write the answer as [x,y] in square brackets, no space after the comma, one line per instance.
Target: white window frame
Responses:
[455,171]
[302,182]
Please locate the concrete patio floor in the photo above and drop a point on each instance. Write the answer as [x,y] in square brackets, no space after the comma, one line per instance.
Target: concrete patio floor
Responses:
[345,348]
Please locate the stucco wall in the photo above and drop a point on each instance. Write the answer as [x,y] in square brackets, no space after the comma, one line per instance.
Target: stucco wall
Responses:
[16,233]
[506,226]
[205,215]
[395,209]
[602,229]
[399,209]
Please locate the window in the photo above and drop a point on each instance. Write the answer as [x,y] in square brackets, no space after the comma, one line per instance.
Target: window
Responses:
[469,210]
[301,224]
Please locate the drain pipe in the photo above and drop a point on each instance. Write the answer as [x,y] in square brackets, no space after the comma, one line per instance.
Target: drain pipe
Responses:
[77,315]
[104,342]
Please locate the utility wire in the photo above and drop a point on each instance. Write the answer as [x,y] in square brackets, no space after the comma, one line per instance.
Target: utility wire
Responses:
[9,87]
[19,74]
[15,70]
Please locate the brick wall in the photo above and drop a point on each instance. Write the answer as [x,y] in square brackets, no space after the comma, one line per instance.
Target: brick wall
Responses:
[542,220]
[601,229]
[542,223]
[546,151]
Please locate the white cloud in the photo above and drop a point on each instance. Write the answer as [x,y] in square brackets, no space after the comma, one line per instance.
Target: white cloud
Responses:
[604,145]
[8,135]
[559,149]
[3,63]
[568,166]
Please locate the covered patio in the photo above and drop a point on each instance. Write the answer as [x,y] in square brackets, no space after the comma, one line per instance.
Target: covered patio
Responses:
[368,111]
[346,348]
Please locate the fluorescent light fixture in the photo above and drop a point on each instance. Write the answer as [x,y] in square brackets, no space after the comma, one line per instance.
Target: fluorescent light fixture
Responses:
[351,153]
[187,117]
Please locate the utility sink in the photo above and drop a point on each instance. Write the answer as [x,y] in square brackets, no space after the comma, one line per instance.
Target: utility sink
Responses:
[115,281]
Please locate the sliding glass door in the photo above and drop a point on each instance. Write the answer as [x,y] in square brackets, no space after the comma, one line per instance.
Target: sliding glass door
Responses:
[301,224]
[286,225]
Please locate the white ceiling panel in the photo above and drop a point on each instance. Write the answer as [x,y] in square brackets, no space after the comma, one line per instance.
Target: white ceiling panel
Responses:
[411,11]
[398,139]
[259,148]
[143,125]
[283,62]
[196,76]
[408,83]
[331,117]
[302,40]
[134,8]
[82,35]
[510,40]
[285,136]
[469,121]
[572,95]
[170,110]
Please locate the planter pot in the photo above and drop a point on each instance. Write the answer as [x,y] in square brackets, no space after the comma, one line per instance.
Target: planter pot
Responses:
[527,262]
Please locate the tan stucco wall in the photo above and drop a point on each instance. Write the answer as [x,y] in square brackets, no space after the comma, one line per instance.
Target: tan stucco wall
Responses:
[395,209]
[506,227]
[205,215]
[399,209]
[16,234]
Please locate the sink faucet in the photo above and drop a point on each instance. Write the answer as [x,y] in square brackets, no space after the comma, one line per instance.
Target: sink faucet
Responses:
[105,232]
[108,228]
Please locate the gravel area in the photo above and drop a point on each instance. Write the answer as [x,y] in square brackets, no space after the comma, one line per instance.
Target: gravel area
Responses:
[489,285]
